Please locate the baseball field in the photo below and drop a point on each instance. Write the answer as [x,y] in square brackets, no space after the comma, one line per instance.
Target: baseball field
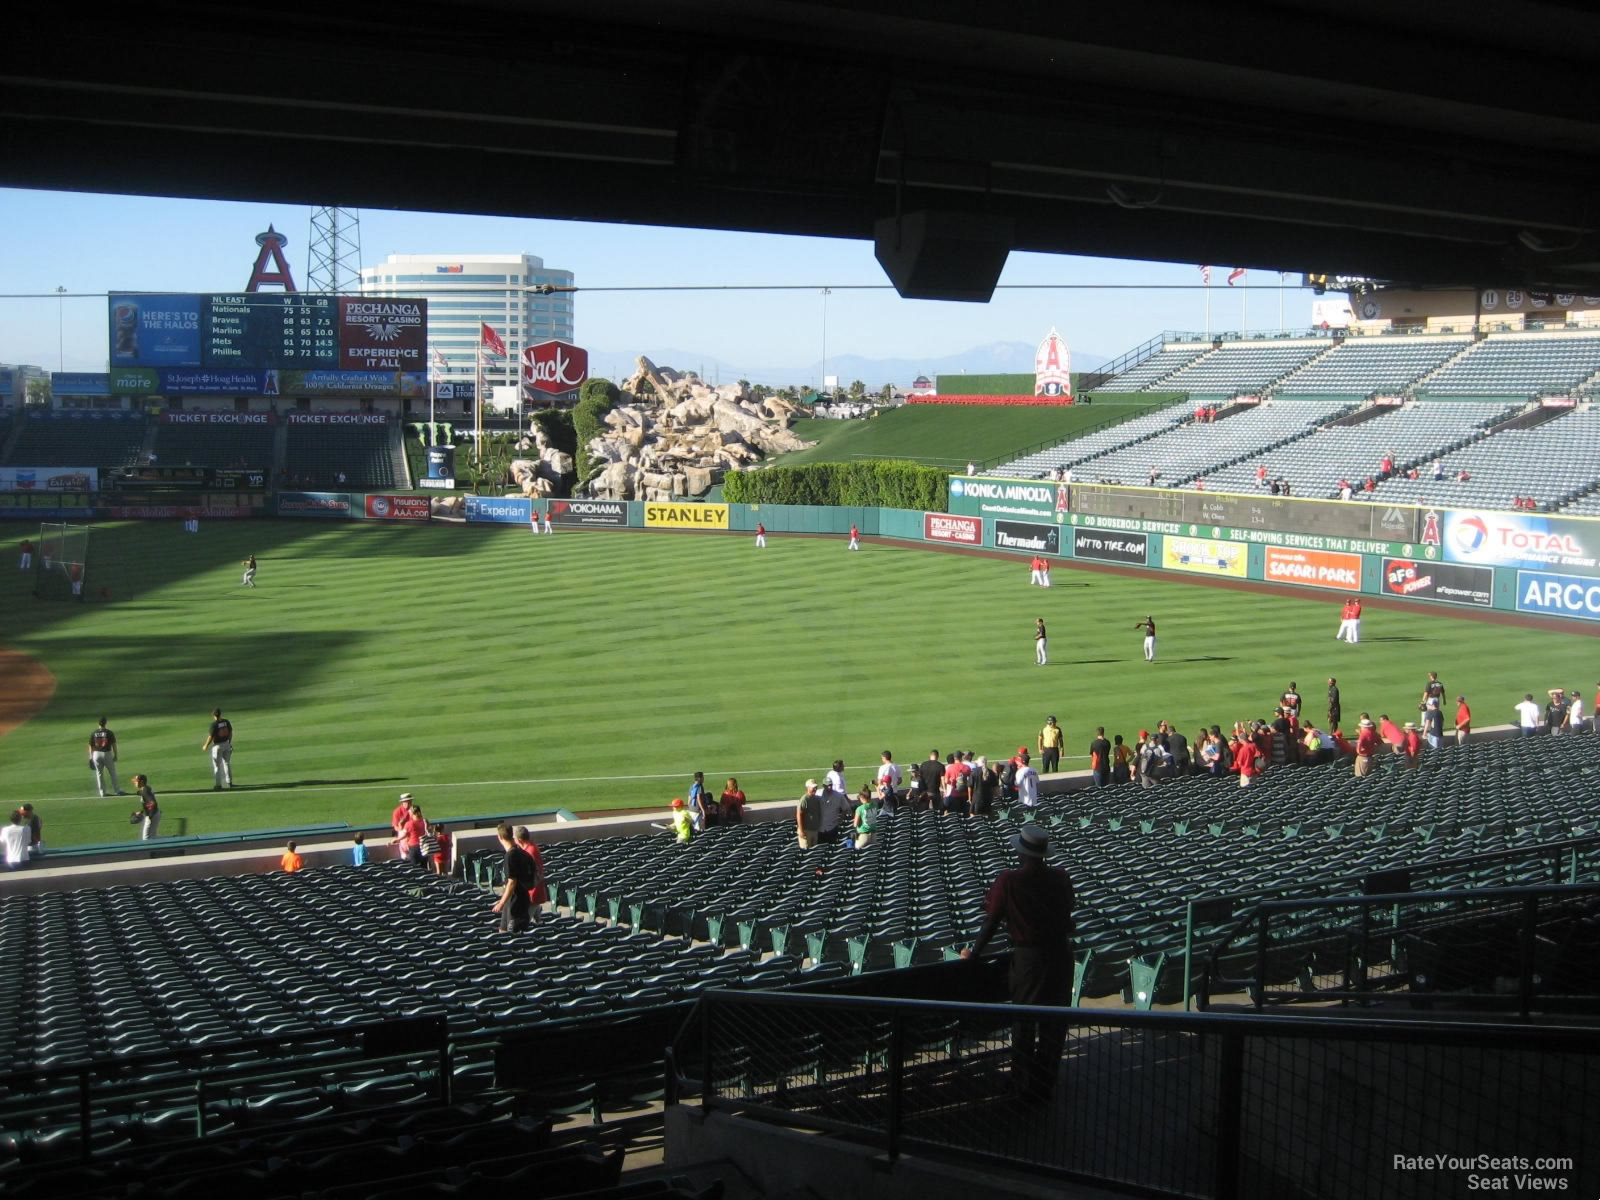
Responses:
[490,670]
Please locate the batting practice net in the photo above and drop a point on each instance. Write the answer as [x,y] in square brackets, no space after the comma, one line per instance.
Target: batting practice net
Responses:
[61,561]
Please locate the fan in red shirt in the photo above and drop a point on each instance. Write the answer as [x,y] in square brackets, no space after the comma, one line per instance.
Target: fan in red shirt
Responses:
[1366,745]
[1244,753]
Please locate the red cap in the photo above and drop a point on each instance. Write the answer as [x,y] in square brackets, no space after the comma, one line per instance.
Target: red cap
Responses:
[1022,749]
[677,802]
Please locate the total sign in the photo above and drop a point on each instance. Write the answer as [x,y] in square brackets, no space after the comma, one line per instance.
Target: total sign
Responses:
[554,368]
[1494,539]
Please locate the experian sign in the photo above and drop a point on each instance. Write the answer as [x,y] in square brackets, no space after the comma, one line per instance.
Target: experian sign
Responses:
[497,510]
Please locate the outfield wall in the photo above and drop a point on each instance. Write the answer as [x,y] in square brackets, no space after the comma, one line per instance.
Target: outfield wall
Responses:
[1529,563]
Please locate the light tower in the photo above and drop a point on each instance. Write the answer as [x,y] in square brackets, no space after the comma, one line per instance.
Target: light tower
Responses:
[334,257]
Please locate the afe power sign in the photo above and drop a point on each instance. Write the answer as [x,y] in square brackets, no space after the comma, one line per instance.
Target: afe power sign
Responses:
[1439,581]
[1314,568]
[1024,535]
[553,369]
[941,527]
[686,516]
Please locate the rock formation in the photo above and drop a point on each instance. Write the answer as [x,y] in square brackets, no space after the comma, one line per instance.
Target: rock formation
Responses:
[680,436]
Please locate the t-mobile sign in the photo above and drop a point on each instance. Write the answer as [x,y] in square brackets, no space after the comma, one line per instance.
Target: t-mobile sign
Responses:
[1110,545]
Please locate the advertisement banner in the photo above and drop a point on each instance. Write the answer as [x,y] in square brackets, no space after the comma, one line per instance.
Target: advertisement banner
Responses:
[1034,498]
[1314,568]
[352,383]
[216,418]
[383,334]
[155,331]
[49,479]
[941,527]
[1024,535]
[686,516]
[398,508]
[150,512]
[79,383]
[213,383]
[1553,595]
[497,510]
[1498,539]
[314,504]
[441,469]
[1439,581]
[352,418]
[1205,556]
[588,512]
[1109,545]
[134,381]
[554,368]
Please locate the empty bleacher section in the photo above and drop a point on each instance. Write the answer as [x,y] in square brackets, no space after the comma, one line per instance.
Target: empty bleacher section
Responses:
[1549,463]
[215,445]
[1519,364]
[1068,453]
[1155,368]
[1362,366]
[315,455]
[1242,367]
[1195,450]
[1417,432]
[43,442]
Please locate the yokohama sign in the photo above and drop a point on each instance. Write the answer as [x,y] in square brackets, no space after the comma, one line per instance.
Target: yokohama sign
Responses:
[554,368]
[588,512]
[941,527]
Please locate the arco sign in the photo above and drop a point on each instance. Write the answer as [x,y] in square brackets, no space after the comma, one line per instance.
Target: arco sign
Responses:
[554,369]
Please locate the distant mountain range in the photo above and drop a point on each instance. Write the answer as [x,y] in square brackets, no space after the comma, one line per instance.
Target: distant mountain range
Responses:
[992,358]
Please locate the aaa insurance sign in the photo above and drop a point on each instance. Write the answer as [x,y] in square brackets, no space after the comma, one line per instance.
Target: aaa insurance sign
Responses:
[554,368]
[1494,539]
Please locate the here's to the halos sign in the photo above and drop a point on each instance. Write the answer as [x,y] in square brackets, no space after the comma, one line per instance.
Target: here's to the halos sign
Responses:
[686,516]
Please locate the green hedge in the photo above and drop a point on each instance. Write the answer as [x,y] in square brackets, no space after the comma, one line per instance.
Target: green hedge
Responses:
[874,483]
[598,398]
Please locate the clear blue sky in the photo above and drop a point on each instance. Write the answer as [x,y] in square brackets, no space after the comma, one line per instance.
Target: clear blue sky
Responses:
[96,243]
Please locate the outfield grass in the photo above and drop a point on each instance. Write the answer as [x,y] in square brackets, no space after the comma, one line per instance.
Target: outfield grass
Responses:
[489,670]
[951,435]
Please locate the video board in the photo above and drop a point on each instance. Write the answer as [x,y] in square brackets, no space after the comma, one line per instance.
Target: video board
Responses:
[267,331]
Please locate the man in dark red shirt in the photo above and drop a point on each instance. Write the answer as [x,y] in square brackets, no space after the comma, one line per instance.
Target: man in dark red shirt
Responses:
[1035,902]
[1244,754]
[1366,745]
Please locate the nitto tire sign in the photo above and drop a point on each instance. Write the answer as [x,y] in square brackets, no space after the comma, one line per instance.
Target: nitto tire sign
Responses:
[1439,581]
[940,527]
[1024,535]
[588,512]
[1110,545]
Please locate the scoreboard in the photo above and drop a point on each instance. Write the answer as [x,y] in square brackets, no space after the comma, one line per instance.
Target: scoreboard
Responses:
[1336,518]
[270,331]
[263,331]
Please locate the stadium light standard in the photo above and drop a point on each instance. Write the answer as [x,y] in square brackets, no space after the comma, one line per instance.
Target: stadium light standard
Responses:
[61,327]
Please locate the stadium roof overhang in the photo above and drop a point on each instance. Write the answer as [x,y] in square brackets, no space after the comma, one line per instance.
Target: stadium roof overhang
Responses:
[1425,144]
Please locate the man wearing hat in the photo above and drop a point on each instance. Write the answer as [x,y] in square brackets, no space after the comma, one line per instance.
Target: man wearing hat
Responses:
[1025,780]
[1035,902]
[1410,746]
[808,816]
[1050,746]
[1366,745]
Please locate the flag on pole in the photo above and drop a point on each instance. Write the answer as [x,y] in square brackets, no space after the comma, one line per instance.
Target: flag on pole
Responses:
[439,365]
[1236,273]
[1205,276]
[492,341]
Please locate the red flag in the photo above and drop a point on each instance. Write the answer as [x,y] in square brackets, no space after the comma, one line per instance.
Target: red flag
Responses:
[1236,273]
[492,341]
[1205,276]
